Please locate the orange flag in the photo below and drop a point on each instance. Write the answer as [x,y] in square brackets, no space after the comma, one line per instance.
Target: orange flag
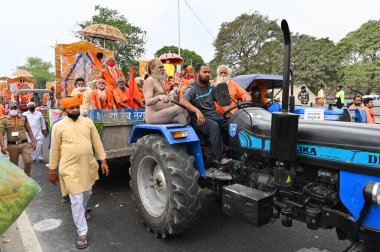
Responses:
[133,90]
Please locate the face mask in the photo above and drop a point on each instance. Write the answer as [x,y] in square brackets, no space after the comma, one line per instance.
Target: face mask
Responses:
[13,112]
[175,88]
[111,63]
[122,87]
[81,89]
[73,116]
[32,109]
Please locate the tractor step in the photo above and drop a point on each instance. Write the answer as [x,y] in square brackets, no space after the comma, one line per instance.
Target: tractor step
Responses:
[214,173]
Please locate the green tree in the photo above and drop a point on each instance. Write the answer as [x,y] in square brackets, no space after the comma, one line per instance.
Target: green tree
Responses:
[252,43]
[359,55]
[314,61]
[41,70]
[126,55]
[189,57]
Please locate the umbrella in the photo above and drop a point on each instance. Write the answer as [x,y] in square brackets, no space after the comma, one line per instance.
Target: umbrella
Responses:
[105,32]
[172,57]
[22,73]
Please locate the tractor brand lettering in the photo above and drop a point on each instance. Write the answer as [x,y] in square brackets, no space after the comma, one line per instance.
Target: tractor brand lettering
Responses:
[306,150]
[373,159]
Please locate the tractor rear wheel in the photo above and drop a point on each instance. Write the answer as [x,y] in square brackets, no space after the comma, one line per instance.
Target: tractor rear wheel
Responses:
[164,185]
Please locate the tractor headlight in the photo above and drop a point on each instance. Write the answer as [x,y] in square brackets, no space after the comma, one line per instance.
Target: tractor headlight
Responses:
[179,134]
[371,193]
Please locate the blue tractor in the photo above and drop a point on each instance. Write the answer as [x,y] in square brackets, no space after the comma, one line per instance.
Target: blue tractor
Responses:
[323,173]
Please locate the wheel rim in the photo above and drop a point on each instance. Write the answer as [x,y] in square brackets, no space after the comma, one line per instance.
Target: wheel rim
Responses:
[152,187]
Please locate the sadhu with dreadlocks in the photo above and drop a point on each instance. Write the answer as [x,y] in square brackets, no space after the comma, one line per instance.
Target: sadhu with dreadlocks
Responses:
[158,107]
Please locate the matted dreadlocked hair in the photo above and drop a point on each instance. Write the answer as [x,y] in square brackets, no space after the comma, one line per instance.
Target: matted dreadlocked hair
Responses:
[150,65]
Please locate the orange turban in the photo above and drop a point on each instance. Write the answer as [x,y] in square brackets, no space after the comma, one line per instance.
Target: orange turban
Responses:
[68,102]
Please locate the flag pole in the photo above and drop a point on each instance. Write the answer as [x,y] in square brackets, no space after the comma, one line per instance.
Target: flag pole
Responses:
[179,38]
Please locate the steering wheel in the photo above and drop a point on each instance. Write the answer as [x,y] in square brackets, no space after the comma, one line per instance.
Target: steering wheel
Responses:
[227,114]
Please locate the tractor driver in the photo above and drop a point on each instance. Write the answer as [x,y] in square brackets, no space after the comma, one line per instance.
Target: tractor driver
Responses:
[199,98]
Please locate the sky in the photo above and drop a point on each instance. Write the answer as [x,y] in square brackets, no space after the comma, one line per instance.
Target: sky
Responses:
[31,28]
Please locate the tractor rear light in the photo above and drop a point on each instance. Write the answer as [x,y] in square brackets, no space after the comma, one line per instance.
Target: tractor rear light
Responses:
[179,134]
[372,193]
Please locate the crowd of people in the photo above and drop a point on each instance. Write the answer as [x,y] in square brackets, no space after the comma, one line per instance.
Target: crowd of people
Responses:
[365,104]
[190,98]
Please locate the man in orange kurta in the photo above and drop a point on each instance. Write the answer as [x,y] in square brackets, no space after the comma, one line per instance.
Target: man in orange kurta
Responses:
[2,109]
[101,98]
[237,93]
[184,83]
[368,107]
[121,95]
[111,74]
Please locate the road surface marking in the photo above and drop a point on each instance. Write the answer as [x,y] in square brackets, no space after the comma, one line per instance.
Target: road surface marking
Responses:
[46,225]
[28,236]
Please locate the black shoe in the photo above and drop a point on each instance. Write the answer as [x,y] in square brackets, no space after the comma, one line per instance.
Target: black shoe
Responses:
[66,199]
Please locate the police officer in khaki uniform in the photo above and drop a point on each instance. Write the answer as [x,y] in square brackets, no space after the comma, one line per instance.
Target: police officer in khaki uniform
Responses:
[16,126]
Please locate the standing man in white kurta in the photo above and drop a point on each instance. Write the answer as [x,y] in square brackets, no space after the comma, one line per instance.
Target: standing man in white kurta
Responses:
[73,140]
[37,123]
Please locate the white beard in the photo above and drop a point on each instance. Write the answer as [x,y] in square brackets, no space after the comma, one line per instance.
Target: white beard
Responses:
[159,77]
[101,93]
[221,79]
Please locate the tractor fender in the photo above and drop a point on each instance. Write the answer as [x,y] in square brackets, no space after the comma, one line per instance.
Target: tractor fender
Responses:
[192,141]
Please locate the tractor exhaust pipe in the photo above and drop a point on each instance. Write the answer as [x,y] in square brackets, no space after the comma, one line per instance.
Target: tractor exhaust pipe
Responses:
[286,75]
[284,125]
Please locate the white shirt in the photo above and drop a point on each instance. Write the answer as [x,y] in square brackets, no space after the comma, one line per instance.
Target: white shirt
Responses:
[37,123]
[86,98]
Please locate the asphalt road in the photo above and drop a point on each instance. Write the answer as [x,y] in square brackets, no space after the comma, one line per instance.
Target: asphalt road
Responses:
[116,225]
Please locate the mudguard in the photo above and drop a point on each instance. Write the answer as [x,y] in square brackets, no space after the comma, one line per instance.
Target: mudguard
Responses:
[192,140]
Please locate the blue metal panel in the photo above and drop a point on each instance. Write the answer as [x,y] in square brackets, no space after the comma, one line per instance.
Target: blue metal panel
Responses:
[250,141]
[339,155]
[363,113]
[351,194]
[329,114]
[116,115]
[194,149]
[319,152]
[267,145]
[192,140]
[147,129]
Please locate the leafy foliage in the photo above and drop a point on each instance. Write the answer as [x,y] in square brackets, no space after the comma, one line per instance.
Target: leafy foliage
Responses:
[359,55]
[249,44]
[189,57]
[252,43]
[126,55]
[39,69]
[313,61]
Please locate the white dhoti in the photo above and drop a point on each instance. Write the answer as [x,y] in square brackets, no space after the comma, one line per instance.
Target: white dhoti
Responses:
[37,154]
[78,208]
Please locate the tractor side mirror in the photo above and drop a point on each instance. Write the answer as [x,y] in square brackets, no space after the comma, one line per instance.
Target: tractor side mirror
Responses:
[223,94]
